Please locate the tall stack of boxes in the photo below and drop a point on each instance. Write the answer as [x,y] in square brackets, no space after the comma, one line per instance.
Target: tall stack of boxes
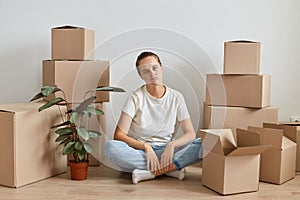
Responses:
[74,70]
[28,151]
[236,99]
[240,96]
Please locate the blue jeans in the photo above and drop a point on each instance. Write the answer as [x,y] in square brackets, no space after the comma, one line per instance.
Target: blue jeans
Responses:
[128,158]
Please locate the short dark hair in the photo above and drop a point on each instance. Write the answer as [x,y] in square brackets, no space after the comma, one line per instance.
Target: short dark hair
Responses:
[144,55]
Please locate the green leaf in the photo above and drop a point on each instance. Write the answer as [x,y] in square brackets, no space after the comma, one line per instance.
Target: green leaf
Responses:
[62,124]
[47,90]
[85,104]
[51,103]
[103,88]
[81,155]
[69,148]
[78,146]
[63,131]
[94,134]
[61,138]
[74,117]
[37,96]
[83,133]
[88,147]
[65,141]
[110,89]
[70,111]
[89,115]
[93,110]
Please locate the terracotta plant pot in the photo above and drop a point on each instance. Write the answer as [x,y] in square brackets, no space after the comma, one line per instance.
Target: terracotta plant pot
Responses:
[79,170]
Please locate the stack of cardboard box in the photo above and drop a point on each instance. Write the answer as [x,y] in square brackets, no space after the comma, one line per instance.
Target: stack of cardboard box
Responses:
[28,151]
[74,70]
[241,96]
[72,67]
[235,100]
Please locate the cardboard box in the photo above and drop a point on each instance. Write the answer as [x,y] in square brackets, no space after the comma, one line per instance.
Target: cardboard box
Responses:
[222,117]
[277,163]
[72,43]
[28,151]
[291,131]
[76,78]
[242,57]
[238,90]
[231,166]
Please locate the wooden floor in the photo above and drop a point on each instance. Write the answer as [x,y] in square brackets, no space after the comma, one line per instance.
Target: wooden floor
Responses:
[105,183]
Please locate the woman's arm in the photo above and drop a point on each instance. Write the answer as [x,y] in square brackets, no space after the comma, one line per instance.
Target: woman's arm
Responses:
[122,131]
[121,134]
[188,136]
[188,133]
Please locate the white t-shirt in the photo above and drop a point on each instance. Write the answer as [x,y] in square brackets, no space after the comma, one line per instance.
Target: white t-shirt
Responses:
[154,120]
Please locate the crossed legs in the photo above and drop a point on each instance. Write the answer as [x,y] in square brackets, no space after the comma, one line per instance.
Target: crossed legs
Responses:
[134,161]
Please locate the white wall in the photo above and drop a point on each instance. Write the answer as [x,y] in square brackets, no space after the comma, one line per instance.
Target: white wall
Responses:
[189,36]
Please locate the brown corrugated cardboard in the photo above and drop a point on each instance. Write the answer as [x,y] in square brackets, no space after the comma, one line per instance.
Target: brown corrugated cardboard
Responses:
[72,43]
[28,151]
[291,131]
[277,163]
[76,78]
[222,117]
[231,166]
[242,57]
[238,90]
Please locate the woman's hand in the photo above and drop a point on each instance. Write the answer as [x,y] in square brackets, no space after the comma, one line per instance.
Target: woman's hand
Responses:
[152,160]
[167,157]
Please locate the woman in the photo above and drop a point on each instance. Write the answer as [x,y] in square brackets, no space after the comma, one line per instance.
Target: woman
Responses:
[144,141]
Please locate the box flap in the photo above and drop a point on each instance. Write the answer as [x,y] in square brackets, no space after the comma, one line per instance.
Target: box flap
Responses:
[247,138]
[291,123]
[286,143]
[270,136]
[220,141]
[253,150]
[211,142]
[288,131]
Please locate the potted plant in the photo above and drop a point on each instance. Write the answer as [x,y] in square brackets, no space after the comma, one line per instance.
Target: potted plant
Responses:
[72,132]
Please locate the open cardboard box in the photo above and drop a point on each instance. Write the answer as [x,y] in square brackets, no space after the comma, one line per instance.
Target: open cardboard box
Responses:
[28,151]
[277,163]
[231,166]
[292,131]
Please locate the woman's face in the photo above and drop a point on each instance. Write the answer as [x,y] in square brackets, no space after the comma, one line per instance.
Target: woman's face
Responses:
[150,70]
